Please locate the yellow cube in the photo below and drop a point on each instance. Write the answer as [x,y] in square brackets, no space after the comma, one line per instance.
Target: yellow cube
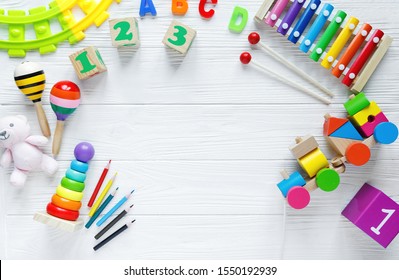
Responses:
[362,117]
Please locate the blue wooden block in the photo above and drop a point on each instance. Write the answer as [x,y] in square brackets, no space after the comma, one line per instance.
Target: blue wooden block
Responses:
[295,179]
[347,131]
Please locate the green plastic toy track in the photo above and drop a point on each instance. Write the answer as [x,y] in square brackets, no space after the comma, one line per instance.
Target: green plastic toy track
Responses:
[45,42]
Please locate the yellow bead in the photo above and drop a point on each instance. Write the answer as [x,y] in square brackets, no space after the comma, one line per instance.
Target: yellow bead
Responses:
[313,162]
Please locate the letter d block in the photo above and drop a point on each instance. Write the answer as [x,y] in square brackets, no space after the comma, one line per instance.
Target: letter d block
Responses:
[87,63]
[374,213]
[179,37]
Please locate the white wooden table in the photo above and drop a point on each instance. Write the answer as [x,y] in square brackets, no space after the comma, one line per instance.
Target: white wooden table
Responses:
[202,139]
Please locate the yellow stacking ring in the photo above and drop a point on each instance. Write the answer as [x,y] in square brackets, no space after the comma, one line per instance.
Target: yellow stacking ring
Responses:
[68,194]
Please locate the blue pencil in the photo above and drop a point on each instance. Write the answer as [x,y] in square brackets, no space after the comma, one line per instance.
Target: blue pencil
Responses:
[113,209]
[101,208]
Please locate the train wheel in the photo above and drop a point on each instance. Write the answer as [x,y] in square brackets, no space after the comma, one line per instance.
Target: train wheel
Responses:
[357,153]
[327,179]
[298,197]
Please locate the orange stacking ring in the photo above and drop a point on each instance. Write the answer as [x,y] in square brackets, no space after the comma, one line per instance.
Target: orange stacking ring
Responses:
[62,213]
[65,203]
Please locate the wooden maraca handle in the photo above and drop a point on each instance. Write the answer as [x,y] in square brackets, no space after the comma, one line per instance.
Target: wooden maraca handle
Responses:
[41,116]
[59,129]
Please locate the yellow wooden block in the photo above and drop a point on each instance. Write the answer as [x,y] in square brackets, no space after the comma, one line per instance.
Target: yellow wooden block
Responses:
[87,63]
[124,32]
[313,162]
[362,117]
[179,37]
[340,42]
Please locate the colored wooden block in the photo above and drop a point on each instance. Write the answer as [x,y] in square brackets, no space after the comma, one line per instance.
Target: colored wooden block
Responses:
[368,128]
[295,179]
[357,153]
[124,32]
[313,162]
[366,115]
[340,144]
[179,37]
[374,213]
[303,146]
[386,133]
[331,124]
[52,221]
[87,63]
[347,131]
[356,103]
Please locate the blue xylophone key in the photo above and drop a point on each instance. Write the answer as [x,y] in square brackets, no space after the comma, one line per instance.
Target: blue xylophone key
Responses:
[304,21]
[316,27]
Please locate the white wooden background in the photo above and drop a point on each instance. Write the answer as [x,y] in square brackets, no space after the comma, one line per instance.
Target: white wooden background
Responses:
[202,139]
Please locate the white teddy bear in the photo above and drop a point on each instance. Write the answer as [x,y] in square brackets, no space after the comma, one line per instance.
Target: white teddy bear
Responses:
[20,146]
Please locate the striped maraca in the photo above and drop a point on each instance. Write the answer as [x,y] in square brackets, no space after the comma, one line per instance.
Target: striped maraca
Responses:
[64,99]
[30,79]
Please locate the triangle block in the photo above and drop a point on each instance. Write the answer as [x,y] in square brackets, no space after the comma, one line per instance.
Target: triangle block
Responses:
[347,131]
[332,124]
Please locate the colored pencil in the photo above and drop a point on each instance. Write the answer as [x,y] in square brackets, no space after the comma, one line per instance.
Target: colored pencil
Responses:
[101,208]
[113,209]
[99,184]
[102,195]
[112,236]
[113,222]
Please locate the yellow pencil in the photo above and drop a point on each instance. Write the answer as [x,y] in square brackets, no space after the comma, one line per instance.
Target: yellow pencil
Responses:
[102,195]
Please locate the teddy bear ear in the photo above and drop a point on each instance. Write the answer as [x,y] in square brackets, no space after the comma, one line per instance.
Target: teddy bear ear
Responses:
[22,117]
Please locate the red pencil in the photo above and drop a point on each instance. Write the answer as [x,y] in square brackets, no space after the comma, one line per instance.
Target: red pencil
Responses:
[99,184]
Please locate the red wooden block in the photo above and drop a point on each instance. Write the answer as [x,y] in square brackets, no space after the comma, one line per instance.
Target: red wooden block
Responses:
[332,124]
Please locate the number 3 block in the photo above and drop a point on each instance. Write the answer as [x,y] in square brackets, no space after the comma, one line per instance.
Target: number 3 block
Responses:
[124,32]
[179,37]
[375,213]
[87,63]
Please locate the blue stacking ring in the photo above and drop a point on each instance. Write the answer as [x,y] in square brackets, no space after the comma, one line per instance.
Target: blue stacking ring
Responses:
[75,175]
[79,166]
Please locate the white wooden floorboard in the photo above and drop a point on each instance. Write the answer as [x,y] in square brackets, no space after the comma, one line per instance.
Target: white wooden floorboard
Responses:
[203,139]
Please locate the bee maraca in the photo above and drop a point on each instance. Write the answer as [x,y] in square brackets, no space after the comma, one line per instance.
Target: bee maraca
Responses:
[30,79]
[64,99]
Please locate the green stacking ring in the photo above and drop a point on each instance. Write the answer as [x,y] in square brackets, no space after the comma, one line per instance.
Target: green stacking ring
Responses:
[75,175]
[72,185]
[79,166]
[356,104]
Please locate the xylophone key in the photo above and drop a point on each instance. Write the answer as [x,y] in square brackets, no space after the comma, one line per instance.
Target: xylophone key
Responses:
[340,42]
[363,57]
[316,27]
[351,50]
[290,16]
[328,35]
[304,21]
[276,12]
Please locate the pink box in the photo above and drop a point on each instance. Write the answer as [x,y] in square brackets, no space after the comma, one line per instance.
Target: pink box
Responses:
[375,213]
[368,128]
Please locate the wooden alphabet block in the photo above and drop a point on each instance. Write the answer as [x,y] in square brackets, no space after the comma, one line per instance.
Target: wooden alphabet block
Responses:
[124,32]
[374,213]
[87,63]
[179,37]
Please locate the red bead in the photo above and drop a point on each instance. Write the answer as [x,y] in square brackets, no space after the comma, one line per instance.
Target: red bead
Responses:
[245,58]
[253,38]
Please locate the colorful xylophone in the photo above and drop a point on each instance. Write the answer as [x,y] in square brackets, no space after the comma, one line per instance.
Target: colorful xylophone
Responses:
[63,210]
[356,69]
[351,138]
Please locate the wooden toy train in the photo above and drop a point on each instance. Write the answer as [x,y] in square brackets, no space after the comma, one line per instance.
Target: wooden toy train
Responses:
[351,138]
[375,44]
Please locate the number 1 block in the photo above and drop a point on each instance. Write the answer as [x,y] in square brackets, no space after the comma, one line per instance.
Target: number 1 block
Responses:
[374,213]
[124,32]
[179,37]
[87,63]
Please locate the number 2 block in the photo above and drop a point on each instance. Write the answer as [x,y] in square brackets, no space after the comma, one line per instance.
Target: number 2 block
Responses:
[374,213]
[179,37]
[124,32]
[87,63]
